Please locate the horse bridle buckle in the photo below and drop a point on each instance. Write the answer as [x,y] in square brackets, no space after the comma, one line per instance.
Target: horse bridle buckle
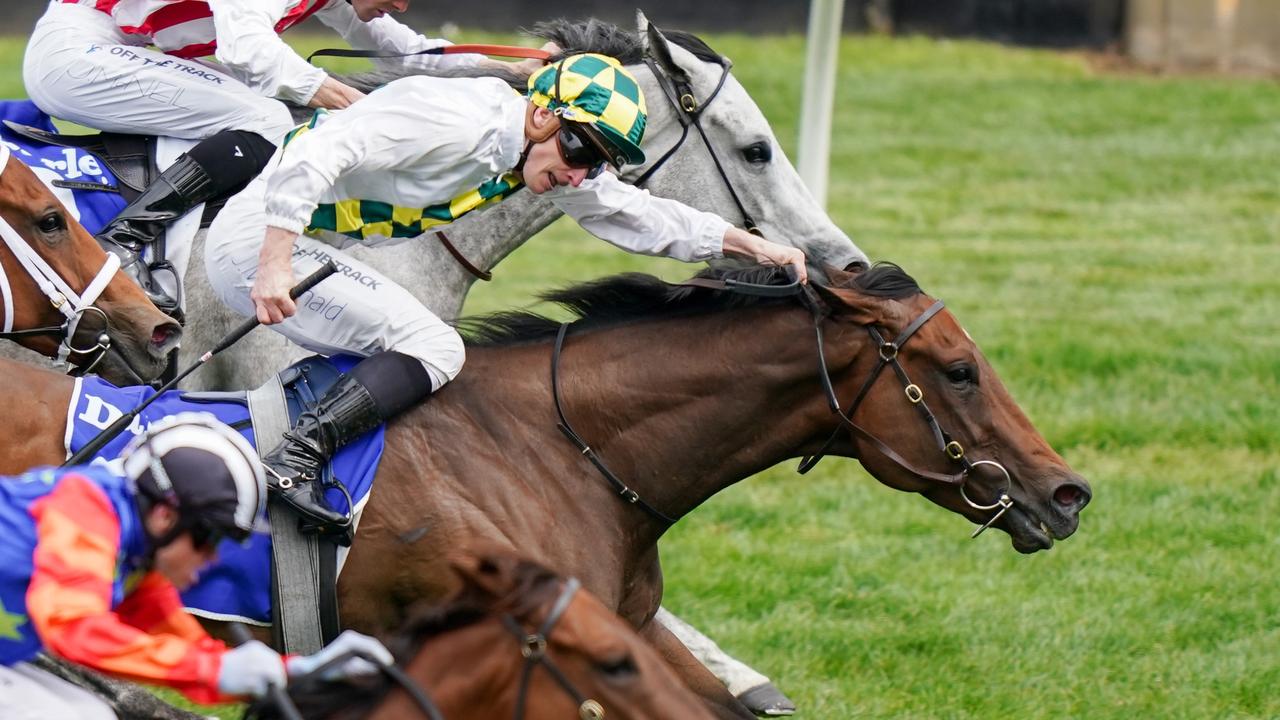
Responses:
[534,646]
[914,393]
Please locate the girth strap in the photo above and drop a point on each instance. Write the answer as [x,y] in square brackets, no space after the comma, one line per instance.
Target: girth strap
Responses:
[303,567]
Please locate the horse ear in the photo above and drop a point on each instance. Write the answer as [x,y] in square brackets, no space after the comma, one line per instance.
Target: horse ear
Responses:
[843,277]
[658,47]
[490,573]
[847,303]
[642,28]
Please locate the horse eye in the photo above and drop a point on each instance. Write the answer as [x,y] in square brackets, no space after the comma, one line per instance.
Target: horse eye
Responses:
[758,153]
[52,223]
[962,374]
[620,668]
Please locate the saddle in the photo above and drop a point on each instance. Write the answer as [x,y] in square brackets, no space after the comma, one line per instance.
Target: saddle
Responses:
[131,158]
[304,576]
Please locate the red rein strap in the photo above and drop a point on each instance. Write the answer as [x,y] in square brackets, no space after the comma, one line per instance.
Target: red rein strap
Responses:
[514,51]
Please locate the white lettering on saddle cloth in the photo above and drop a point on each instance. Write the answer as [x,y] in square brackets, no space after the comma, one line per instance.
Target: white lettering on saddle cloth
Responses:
[100,414]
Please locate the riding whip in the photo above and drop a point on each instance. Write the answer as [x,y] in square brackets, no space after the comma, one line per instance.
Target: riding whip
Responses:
[90,448]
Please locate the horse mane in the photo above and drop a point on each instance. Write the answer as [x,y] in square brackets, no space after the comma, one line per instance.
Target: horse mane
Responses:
[572,36]
[493,583]
[637,297]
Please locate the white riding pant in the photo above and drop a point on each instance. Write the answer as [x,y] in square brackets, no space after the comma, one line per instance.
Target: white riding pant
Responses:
[29,693]
[357,310]
[80,67]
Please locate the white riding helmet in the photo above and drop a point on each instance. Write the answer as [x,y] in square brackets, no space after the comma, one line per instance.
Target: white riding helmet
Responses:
[202,468]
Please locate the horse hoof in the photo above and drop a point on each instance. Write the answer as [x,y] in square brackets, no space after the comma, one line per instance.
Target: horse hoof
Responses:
[767,701]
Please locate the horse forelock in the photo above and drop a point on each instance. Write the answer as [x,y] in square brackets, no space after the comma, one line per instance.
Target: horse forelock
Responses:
[592,35]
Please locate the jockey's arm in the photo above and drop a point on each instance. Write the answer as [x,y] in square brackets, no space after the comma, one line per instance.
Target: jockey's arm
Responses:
[252,51]
[637,221]
[69,600]
[310,168]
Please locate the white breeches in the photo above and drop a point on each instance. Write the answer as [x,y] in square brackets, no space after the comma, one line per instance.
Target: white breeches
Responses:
[80,67]
[357,310]
[29,693]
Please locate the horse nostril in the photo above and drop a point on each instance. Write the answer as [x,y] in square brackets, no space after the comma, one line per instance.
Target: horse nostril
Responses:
[1071,497]
[164,333]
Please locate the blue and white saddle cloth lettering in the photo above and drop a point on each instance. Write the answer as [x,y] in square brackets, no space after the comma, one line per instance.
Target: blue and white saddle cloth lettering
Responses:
[93,208]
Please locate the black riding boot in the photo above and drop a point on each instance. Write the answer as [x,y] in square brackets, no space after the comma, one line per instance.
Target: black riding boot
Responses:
[344,413]
[180,188]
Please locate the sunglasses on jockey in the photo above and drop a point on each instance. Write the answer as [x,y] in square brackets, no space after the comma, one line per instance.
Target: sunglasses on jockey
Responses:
[207,534]
[579,149]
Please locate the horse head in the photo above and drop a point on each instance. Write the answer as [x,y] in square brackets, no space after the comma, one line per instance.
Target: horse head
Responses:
[513,640]
[724,156]
[959,439]
[62,295]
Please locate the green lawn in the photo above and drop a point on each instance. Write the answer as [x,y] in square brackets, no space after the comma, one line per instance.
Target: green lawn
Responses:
[1111,243]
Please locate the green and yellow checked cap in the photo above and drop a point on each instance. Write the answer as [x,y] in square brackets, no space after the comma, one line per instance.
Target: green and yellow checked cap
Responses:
[596,90]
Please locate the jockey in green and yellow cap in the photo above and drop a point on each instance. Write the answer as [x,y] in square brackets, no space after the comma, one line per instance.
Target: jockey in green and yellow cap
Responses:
[599,104]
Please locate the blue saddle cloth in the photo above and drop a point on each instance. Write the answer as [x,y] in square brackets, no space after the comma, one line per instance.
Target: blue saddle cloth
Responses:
[93,208]
[238,585]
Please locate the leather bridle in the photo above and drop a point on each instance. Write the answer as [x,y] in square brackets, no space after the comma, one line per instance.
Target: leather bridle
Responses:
[62,297]
[678,89]
[533,647]
[888,357]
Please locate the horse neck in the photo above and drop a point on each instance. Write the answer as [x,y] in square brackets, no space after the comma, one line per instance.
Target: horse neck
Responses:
[36,413]
[678,409]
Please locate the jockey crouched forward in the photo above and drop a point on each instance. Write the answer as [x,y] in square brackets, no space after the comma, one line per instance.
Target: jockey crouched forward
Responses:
[91,561]
[87,62]
[414,155]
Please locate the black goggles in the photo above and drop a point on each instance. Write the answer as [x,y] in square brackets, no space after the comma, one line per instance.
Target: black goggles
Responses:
[577,150]
[205,536]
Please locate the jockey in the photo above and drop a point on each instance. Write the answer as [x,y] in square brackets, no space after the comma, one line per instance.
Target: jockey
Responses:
[87,62]
[91,561]
[417,154]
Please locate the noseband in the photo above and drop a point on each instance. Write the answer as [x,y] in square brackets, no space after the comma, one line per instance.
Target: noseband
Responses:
[888,356]
[71,304]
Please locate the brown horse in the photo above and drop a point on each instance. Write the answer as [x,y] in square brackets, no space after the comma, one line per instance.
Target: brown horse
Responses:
[515,641]
[61,294]
[679,392]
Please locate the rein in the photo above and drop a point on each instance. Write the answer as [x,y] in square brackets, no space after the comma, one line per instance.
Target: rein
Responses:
[65,300]
[514,51]
[888,356]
